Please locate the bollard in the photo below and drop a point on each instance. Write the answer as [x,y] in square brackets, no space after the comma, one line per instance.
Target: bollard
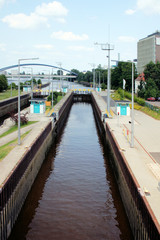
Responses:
[128,135]
[123,131]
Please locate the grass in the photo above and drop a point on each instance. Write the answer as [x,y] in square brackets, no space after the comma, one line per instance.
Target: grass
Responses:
[7,94]
[6,148]
[116,96]
[15,128]
[144,109]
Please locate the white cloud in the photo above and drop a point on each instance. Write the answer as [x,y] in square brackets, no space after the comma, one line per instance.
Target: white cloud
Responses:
[2,2]
[81,48]
[69,36]
[40,16]
[22,21]
[55,9]
[147,6]
[2,47]
[127,39]
[130,11]
[44,46]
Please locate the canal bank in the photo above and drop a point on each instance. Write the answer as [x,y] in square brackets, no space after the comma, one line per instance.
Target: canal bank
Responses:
[11,105]
[14,187]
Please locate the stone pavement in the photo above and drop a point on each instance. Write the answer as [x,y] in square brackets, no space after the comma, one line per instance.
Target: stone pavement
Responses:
[144,157]
[11,160]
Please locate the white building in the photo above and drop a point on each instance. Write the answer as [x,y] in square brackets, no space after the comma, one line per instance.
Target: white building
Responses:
[148,49]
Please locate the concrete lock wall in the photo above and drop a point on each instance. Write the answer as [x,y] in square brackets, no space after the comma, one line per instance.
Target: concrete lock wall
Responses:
[14,192]
[138,213]
[11,104]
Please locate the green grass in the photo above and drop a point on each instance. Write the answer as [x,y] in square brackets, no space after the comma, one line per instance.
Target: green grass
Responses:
[6,148]
[116,96]
[15,128]
[144,109]
[59,98]
[7,94]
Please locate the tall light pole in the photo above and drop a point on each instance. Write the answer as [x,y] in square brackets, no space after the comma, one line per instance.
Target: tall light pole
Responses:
[19,101]
[52,87]
[31,80]
[60,65]
[108,47]
[94,74]
[132,118]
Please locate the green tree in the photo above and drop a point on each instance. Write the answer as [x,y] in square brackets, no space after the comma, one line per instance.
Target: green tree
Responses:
[151,88]
[3,83]
[123,71]
[14,86]
[141,89]
[153,71]
[39,81]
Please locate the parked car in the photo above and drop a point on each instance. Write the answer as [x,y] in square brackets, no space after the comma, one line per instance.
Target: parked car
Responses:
[157,98]
[151,99]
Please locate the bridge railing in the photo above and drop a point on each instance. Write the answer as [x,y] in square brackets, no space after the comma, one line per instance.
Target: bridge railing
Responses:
[82,91]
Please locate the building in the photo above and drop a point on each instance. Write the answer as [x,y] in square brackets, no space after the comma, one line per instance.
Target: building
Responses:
[138,80]
[148,49]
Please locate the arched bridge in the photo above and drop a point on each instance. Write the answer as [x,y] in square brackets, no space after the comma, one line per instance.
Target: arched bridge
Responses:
[36,64]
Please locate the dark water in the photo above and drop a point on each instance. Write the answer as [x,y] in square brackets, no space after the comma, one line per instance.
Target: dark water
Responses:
[74,196]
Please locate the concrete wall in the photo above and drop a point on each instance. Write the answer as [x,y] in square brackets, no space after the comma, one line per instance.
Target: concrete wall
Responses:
[143,224]
[11,209]
[139,215]
[17,187]
[11,104]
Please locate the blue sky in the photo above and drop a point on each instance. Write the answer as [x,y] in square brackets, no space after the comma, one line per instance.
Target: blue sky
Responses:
[65,31]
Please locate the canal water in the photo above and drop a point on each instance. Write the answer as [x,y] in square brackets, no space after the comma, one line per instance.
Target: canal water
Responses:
[75,196]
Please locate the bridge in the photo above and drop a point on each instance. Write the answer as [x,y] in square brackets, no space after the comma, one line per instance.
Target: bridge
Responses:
[36,64]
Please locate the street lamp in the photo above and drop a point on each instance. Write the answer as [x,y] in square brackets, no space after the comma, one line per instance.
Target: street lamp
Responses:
[19,102]
[108,47]
[132,118]
[31,81]
[60,69]
[94,74]
[52,87]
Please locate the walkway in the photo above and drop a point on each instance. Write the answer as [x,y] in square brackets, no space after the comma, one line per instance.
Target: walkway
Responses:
[144,158]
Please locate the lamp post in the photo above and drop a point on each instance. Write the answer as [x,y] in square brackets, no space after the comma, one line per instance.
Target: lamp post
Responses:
[19,102]
[107,47]
[132,118]
[31,81]
[60,69]
[94,74]
[52,87]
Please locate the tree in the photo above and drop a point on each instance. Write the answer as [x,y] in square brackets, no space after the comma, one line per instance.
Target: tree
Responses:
[14,86]
[153,71]
[3,83]
[122,71]
[141,89]
[151,88]
[39,81]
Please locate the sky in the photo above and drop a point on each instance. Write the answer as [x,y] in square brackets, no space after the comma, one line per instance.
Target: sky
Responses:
[65,32]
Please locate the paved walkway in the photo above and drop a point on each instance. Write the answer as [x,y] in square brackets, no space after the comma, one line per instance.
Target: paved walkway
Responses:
[144,158]
[11,160]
